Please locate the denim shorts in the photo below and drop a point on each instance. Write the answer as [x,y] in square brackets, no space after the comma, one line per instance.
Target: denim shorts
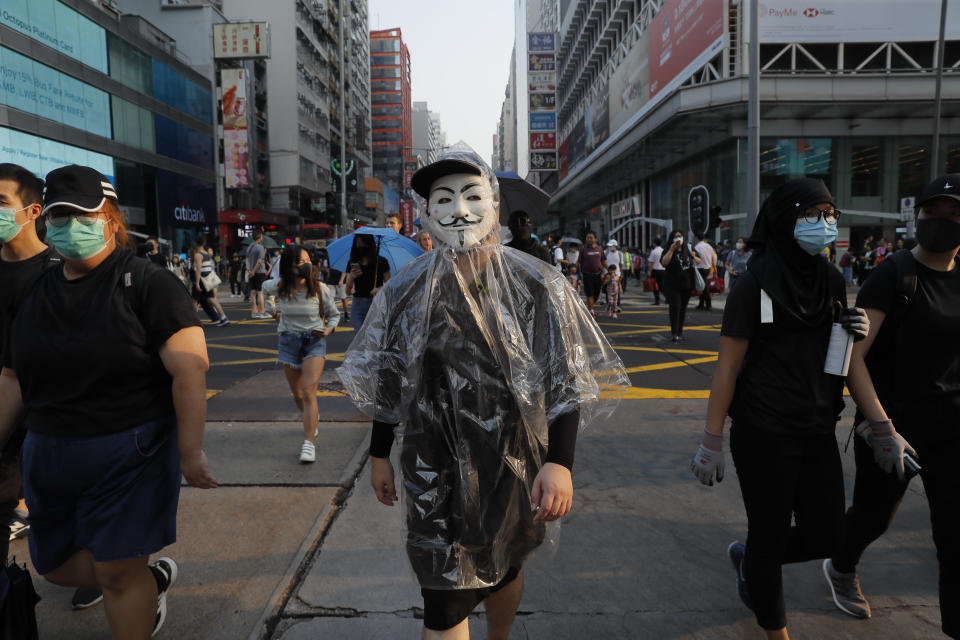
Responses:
[114,495]
[293,348]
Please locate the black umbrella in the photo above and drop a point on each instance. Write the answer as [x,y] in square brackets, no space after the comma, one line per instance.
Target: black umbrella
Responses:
[18,599]
[516,194]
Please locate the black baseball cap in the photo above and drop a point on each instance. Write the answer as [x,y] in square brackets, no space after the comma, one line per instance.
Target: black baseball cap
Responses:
[78,187]
[947,186]
[425,177]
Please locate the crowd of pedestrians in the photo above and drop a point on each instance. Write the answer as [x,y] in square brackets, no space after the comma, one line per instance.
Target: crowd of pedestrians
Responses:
[97,446]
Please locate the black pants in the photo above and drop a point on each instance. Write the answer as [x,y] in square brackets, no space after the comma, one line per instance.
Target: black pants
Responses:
[705,294]
[234,285]
[678,301]
[784,478]
[203,299]
[658,276]
[876,497]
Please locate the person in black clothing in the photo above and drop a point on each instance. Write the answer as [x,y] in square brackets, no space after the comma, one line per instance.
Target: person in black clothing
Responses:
[153,253]
[905,379]
[368,272]
[111,427]
[770,379]
[233,273]
[678,281]
[521,227]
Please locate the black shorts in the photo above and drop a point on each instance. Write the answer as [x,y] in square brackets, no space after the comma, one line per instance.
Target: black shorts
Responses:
[592,282]
[445,608]
[257,280]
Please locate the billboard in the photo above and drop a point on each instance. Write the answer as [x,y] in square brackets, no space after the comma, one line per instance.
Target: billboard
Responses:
[543,121]
[60,27]
[542,82]
[41,156]
[543,102]
[236,140]
[596,121]
[541,42]
[406,212]
[45,92]
[241,40]
[563,160]
[683,35]
[543,140]
[542,62]
[853,21]
[543,161]
[629,86]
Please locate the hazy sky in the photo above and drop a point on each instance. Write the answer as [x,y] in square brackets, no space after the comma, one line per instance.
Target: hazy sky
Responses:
[459,60]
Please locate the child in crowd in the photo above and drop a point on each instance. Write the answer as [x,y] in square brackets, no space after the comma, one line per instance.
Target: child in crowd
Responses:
[611,285]
[574,278]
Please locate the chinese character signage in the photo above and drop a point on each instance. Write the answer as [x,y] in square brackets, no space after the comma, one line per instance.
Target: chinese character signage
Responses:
[241,40]
[236,145]
[543,160]
[542,62]
[542,96]
[543,121]
[542,82]
[541,42]
[543,140]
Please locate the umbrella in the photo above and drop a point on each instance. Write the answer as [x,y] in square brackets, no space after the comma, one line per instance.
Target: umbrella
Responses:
[397,249]
[268,242]
[516,194]
[570,240]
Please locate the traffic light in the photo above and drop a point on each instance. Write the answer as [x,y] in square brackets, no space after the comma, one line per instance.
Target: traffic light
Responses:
[698,206]
[333,202]
[715,220]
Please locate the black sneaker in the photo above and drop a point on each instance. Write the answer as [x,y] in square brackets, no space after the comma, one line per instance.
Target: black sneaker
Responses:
[85,597]
[168,569]
[736,551]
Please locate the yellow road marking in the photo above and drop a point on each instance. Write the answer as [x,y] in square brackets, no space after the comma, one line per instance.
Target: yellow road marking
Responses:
[702,327]
[667,350]
[671,365]
[231,362]
[246,335]
[644,393]
[212,392]
[234,347]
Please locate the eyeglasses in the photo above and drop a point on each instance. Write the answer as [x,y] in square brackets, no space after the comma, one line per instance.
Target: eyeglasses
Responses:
[61,218]
[812,216]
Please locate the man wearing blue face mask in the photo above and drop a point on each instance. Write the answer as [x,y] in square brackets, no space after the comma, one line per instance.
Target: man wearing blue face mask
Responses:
[23,257]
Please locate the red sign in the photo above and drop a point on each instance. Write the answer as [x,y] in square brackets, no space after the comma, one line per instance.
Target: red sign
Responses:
[680,33]
[406,210]
[407,178]
[543,140]
[564,160]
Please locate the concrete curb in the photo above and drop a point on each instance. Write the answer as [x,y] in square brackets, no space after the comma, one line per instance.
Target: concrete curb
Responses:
[271,616]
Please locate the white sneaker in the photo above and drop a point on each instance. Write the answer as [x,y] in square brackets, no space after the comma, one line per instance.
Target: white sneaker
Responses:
[308,452]
[168,568]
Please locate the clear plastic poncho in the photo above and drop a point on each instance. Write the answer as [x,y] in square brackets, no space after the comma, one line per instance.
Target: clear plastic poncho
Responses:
[473,353]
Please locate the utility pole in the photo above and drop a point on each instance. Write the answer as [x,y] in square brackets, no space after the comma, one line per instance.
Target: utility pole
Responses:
[753,118]
[935,148]
[343,120]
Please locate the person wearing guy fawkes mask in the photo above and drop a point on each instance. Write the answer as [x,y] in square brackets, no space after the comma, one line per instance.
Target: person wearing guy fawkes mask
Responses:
[905,379]
[521,227]
[485,362]
[770,379]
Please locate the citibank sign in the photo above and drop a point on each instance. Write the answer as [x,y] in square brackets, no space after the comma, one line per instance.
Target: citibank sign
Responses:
[187,214]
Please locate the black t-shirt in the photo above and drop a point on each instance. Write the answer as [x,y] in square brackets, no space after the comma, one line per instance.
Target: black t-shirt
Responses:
[679,273]
[363,285]
[158,259]
[88,363]
[531,247]
[781,387]
[16,280]
[918,384]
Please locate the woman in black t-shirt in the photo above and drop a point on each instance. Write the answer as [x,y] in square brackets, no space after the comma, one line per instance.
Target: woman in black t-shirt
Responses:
[111,367]
[907,373]
[770,378]
[679,263]
[367,273]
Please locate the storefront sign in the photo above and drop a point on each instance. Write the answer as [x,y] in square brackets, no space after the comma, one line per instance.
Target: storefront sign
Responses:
[681,36]
[543,121]
[543,140]
[541,42]
[184,201]
[236,137]
[543,102]
[542,62]
[542,82]
[241,40]
[543,161]
[406,210]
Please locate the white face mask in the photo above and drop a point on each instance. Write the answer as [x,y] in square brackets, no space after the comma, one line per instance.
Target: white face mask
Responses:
[460,211]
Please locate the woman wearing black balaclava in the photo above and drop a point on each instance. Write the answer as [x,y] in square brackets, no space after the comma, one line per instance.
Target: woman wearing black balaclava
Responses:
[770,379]
[907,373]
[678,280]
[368,271]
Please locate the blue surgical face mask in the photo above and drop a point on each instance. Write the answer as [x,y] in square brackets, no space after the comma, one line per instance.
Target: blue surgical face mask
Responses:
[813,237]
[8,223]
[76,240]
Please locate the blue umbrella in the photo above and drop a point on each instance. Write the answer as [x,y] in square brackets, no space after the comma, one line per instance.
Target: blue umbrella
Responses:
[397,249]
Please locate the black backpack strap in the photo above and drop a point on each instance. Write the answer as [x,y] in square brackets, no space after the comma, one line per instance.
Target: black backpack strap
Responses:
[132,276]
[905,267]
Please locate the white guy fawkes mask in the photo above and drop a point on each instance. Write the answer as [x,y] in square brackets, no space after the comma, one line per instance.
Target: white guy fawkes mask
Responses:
[460,211]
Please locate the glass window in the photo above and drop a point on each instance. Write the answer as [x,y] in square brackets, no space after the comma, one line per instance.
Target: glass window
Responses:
[41,155]
[387,136]
[385,85]
[132,125]
[130,66]
[384,58]
[174,89]
[385,72]
[384,45]
[59,27]
[865,171]
[40,90]
[914,161]
[177,141]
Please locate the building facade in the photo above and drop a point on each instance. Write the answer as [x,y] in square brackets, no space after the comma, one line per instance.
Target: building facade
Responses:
[87,85]
[652,101]
[391,107]
[428,135]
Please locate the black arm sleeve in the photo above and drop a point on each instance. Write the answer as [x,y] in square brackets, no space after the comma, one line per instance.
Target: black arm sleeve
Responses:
[381,439]
[562,439]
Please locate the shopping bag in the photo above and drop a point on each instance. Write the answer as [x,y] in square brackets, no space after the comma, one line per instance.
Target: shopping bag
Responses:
[716,284]
[210,281]
[698,283]
[18,600]
[650,284]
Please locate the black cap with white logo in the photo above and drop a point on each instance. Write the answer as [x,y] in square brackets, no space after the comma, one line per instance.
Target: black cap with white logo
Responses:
[78,187]
[947,186]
